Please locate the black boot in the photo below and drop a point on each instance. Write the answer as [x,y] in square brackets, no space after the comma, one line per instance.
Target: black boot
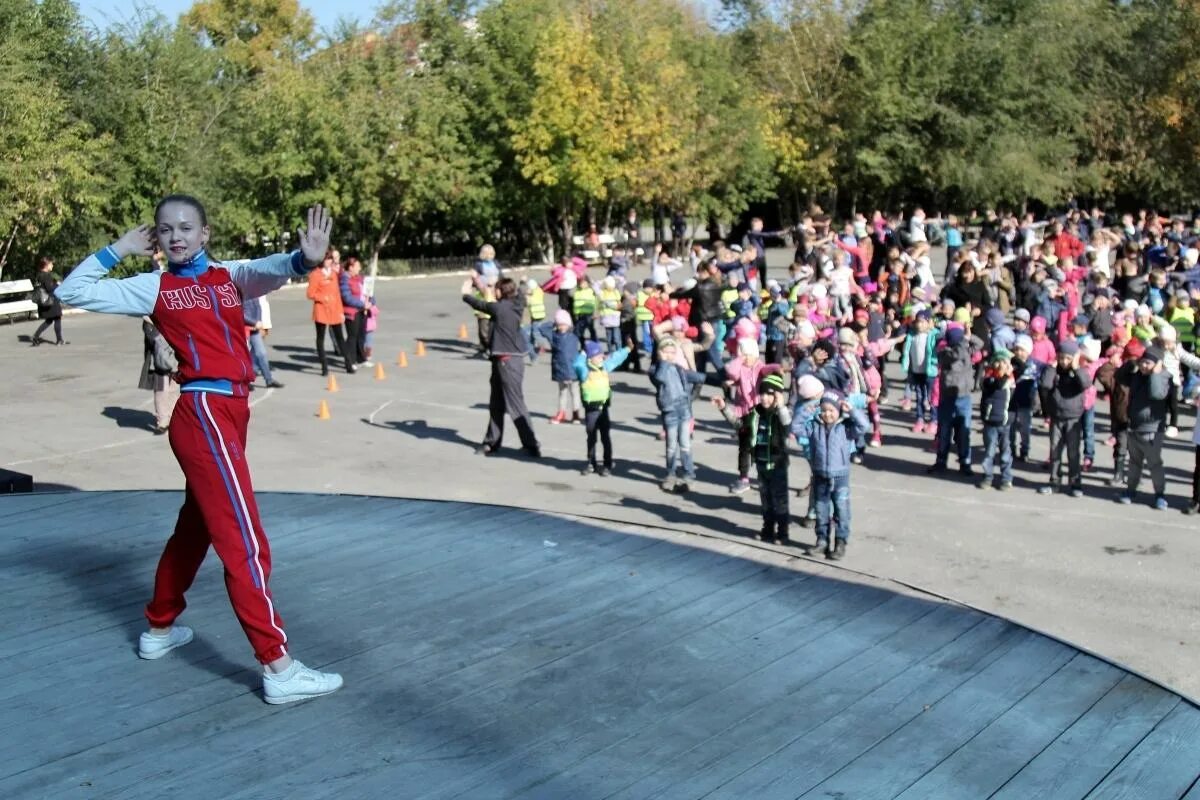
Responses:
[783,534]
[1118,478]
[767,534]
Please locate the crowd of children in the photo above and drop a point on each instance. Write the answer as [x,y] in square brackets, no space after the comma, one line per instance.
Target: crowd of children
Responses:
[1027,331]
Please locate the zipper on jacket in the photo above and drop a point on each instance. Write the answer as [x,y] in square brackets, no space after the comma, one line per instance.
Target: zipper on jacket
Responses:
[195,353]
[212,293]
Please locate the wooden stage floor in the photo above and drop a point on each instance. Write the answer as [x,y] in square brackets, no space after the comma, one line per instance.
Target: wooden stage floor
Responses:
[492,653]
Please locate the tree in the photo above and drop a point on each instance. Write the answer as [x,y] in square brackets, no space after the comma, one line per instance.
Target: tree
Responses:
[253,34]
[46,155]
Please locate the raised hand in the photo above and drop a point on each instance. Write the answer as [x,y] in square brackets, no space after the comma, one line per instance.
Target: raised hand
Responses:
[314,239]
[137,241]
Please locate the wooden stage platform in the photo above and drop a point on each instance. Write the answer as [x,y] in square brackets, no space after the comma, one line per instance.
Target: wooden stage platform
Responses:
[493,653]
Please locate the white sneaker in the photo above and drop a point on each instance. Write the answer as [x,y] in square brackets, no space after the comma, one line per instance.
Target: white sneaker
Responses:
[1172,431]
[368,364]
[151,646]
[298,682]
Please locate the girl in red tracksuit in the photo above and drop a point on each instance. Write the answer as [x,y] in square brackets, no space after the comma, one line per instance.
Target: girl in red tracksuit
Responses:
[196,304]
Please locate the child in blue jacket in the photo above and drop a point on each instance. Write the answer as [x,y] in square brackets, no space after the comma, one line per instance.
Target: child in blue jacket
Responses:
[564,349]
[828,444]
[673,392]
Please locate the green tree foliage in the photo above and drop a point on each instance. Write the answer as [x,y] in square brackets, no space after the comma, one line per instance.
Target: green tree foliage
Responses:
[444,123]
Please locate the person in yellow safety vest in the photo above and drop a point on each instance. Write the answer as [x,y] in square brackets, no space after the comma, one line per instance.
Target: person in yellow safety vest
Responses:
[729,296]
[764,305]
[592,369]
[483,320]
[539,327]
[644,315]
[610,312]
[1183,319]
[584,308]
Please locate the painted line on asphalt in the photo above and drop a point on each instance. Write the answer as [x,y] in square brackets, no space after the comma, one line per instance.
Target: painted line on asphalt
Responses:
[371,416]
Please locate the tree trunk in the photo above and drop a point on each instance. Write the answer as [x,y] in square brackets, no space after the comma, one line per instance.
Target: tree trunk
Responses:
[12,237]
[380,242]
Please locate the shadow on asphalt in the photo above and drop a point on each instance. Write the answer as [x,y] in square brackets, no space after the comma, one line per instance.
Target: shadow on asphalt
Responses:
[130,417]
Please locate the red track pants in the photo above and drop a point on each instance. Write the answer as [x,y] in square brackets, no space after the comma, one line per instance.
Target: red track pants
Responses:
[208,437]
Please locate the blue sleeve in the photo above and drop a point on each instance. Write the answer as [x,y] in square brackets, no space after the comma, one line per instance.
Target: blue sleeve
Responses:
[580,367]
[87,288]
[264,275]
[348,299]
[616,359]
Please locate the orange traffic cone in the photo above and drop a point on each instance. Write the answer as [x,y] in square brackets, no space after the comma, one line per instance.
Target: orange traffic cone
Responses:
[323,410]
[379,372]
[332,385]
[402,359]
[462,331]
[420,348]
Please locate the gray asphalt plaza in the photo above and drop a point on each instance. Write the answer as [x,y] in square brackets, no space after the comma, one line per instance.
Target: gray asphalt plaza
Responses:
[1116,581]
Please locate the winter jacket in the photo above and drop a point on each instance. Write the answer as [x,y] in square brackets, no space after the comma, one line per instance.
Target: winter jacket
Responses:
[1028,376]
[1147,399]
[994,404]
[564,347]
[706,301]
[1118,393]
[351,289]
[772,454]
[1064,390]
[745,379]
[957,373]
[1101,324]
[506,338]
[931,362]
[829,447]
[673,390]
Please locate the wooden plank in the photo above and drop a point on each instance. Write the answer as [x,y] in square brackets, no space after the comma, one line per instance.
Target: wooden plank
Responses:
[1001,750]
[761,682]
[1079,759]
[902,756]
[816,754]
[337,722]
[725,753]
[410,636]
[548,692]
[12,506]
[92,718]
[1163,765]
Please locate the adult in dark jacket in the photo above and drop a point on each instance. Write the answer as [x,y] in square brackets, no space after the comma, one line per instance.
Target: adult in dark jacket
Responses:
[1149,386]
[1063,387]
[507,350]
[50,312]
[968,290]
[355,305]
[957,377]
[705,294]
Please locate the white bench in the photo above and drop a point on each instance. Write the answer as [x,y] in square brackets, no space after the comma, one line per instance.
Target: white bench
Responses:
[607,240]
[14,308]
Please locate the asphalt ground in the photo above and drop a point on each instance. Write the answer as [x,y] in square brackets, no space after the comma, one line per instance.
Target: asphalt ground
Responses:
[1118,581]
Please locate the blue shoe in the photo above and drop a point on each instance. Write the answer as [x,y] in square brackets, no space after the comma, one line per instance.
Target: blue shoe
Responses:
[1125,498]
[1160,503]
[1045,490]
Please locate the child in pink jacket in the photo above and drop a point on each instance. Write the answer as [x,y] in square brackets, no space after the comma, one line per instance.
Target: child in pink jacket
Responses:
[742,375]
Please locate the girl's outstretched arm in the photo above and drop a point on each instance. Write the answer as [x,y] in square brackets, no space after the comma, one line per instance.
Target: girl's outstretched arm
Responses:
[87,288]
[263,275]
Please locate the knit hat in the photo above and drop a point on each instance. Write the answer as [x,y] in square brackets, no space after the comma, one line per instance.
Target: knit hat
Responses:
[1091,349]
[954,336]
[924,314]
[772,382]
[747,347]
[1080,319]
[847,337]
[832,397]
[1144,311]
[809,387]
[1168,334]
[818,291]
[532,284]
[1182,295]
[1022,314]
[1069,347]
[1001,355]
[1152,354]
[1023,342]
[1134,350]
[648,283]
[1037,325]
[561,317]
[593,349]
[743,287]
[609,282]
[994,317]
[806,330]
[1130,305]
[962,315]
[946,301]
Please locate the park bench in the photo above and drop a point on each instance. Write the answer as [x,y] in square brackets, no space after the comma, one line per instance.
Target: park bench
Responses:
[607,240]
[10,307]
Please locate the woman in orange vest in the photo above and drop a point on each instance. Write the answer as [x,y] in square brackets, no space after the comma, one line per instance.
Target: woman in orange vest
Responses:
[327,312]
